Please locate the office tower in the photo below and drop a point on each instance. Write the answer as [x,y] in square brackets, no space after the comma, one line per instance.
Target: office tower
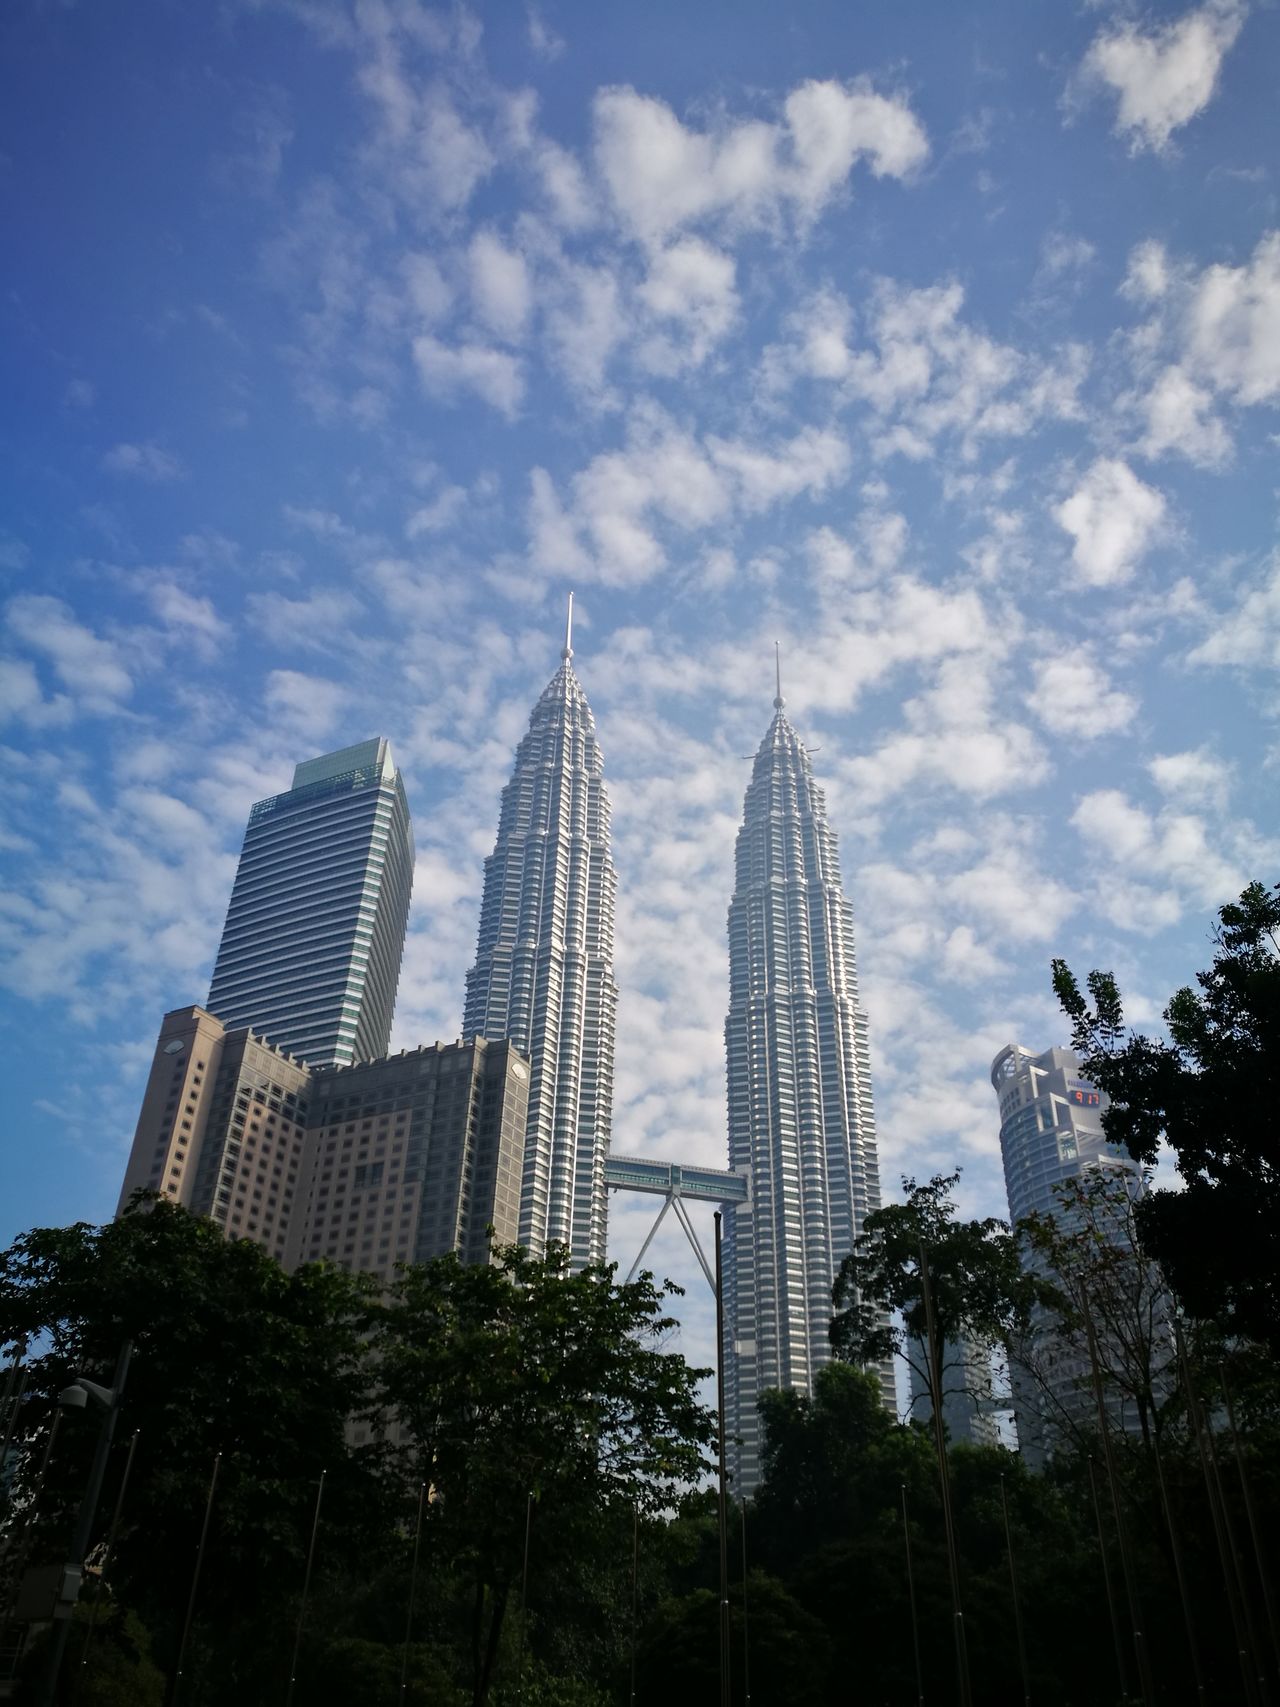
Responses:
[1050,1132]
[800,1116]
[543,974]
[968,1392]
[311,949]
[387,1161]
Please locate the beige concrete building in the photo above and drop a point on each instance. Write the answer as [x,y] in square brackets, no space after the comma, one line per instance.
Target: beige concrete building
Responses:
[388,1161]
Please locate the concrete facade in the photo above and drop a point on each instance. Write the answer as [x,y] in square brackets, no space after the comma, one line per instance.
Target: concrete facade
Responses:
[395,1160]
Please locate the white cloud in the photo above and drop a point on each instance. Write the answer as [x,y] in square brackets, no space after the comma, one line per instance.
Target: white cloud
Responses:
[1168,847]
[143,462]
[1074,697]
[307,706]
[812,462]
[1193,778]
[690,283]
[188,616]
[1232,325]
[429,293]
[1165,76]
[544,41]
[321,620]
[622,501]
[924,371]
[585,324]
[1113,519]
[955,738]
[500,287]
[90,668]
[1249,635]
[453,157]
[1179,418]
[441,513]
[1211,336]
[494,375]
[1147,276]
[21,698]
[662,175]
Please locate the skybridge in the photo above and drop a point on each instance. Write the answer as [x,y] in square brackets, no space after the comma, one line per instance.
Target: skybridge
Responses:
[675,1181]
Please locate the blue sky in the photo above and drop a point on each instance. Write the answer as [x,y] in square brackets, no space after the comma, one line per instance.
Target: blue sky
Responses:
[939,343]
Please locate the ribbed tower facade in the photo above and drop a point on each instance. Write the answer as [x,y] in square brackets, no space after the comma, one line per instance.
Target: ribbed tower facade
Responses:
[799,1081]
[311,949]
[543,974]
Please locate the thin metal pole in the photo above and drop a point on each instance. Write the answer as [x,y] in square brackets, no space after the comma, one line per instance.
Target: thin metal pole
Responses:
[1193,1647]
[413,1589]
[635,1594]
[911,1595]
[944,1479]
[1248,1668]
[524,1596]
[106,1563]
[746,1632]
[306,1591]
[1013,1590]
[1116,1637]
[12,1405]
[1263,1576]
[28,1529]
[1122,1537]
[1229,1530]
[725,1685]
[84,1523]
[176,1684]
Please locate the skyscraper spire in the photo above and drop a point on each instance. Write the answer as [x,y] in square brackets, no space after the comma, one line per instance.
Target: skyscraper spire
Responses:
[543,972]
[800,1115]
[779,702]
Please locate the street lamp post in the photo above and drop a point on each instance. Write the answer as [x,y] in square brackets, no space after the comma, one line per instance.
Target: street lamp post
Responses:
[77,1397]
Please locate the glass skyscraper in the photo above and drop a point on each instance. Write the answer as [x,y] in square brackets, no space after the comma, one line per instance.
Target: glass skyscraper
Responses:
[311,950]
[799,1082]
[1051,1132]
[543,974]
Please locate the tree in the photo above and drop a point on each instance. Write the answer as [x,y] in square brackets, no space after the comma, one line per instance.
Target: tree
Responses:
[532,1400]
[1211,1093]
[231,1355]
[1095,1274]
[980,1294]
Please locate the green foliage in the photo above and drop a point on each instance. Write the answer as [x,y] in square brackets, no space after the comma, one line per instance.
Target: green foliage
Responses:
[980,1293]
[485,1384]
[521,1377]
[116,1670]
[533,1400]
[1094,1271]
[231,1356]
[1210,1094]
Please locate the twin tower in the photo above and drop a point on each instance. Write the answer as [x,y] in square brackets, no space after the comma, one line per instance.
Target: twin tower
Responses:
[308,966]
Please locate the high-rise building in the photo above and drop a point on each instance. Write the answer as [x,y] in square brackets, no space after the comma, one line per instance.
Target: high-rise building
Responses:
[386,1161]
[968,1391]
[1051,1132]
[311,950]
[543,974]
[799,1082]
